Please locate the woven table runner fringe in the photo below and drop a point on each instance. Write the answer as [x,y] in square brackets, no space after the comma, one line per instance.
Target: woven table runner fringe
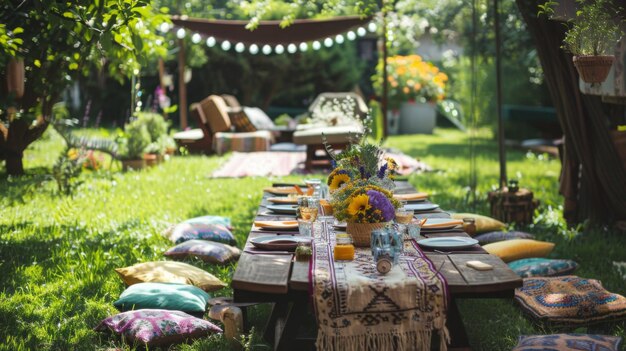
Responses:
[407,341]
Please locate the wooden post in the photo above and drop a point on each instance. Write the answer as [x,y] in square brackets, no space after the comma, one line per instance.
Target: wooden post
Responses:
[502,155]
[182,87]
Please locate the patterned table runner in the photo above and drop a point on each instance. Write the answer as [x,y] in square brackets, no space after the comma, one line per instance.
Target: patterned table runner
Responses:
[359,309]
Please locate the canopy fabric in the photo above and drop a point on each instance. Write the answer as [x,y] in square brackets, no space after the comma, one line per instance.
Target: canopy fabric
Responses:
[270,32]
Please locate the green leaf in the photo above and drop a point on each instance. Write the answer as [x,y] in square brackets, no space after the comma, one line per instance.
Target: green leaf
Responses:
[73,66]
[37,63]
[68,14]
[118,38]
[18,30]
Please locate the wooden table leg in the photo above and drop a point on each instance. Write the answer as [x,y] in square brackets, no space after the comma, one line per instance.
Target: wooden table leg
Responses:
[278,309]
[287,329]
[458,336]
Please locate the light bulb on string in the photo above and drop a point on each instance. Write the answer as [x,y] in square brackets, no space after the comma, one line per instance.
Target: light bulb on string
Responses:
[226,45]
[196,38]
[267,49]
[279,49]
[328,42]
[240,47]
[361,31]
[316,45]
[164,27]
[372,27]
[303,47]
[351,35]
[254,49]
[180,33]
[292,48]
[210,42]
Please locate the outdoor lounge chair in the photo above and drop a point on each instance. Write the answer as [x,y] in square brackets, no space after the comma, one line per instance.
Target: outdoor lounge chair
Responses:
[224,128]
[335,117]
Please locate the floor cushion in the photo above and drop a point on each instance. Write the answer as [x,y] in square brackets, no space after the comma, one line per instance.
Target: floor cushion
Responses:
[207,251]
[483,223]
[516,249]
[157,327]
[259,119]
[557,342]
[241,122]
[542,267]
[204,231]
[169,272]
[242,142]
[165,296]
[492,237]
[225,221]
[569,300]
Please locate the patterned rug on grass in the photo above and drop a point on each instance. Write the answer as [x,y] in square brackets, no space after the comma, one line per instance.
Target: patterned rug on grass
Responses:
[261,164]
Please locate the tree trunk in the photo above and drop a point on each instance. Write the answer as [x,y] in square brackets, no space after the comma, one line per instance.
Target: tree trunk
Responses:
[14,164]
[592,178]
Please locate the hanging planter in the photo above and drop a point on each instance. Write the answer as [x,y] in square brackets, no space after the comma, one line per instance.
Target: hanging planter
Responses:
[593,69]
[15,77]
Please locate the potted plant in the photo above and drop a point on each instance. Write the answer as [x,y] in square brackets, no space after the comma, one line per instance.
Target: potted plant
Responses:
[591,37]
[414,86]
[132,145]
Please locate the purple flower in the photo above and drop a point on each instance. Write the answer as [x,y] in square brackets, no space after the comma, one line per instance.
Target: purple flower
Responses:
[381,202]
[381,171]
[362,171]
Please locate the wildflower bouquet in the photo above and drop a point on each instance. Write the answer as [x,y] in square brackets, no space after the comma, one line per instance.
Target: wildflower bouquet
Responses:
[361,185]
[411,79]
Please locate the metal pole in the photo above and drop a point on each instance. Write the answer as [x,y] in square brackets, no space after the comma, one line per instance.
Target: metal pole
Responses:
[384,102]
[501,150]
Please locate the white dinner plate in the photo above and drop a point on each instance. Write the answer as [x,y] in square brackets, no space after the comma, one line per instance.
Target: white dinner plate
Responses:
[420,207]
[278,242]
[452,242]
[288,209]
[441,224]
[340,225]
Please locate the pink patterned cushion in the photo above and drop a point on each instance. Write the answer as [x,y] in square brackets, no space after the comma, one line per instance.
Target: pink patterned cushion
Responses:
[157,327]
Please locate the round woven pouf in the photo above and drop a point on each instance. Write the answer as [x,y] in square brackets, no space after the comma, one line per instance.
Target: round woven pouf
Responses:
[362,232]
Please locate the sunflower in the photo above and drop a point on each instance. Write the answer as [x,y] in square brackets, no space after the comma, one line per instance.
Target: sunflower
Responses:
[359,205]
[338,180]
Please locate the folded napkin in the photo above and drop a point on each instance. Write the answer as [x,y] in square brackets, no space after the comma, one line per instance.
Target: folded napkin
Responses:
[444,224]
[283,200]
[281,190]
[412,196]
[276,224]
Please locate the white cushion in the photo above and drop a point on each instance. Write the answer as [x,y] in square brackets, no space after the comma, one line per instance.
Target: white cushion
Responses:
[334,135]
[258,118]
[192,134]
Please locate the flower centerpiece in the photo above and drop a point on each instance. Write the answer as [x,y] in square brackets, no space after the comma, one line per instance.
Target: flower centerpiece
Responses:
[410,78]
[361,186]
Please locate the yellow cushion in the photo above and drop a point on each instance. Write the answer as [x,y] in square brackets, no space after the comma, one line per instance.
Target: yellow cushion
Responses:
[169,272]
[516,249]
[483,223]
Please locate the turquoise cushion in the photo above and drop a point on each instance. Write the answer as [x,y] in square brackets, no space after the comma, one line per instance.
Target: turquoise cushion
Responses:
[556,342]
[492,237]
[542,267]
[166,296]
[190,231]
[207,251]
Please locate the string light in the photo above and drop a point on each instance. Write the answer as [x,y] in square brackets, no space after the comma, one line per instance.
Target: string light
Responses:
[239,47]
[303,47]
[180,33]
[279,49]
[164,27]
[267,49]
[292,48]
[226,45]
[254,49]
[210,42]
[328,42]
[372,27]
[316,45]
[196,38]
[339,39]
[361,31]
[351,35]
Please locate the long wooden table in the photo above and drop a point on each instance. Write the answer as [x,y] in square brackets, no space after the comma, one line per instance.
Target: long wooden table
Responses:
[277,278]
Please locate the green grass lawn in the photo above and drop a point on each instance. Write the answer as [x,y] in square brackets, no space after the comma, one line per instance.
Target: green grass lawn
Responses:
[58,253]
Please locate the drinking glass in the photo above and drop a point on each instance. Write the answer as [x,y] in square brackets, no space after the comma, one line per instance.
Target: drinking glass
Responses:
[308,208]
[305,227]
[414,228]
